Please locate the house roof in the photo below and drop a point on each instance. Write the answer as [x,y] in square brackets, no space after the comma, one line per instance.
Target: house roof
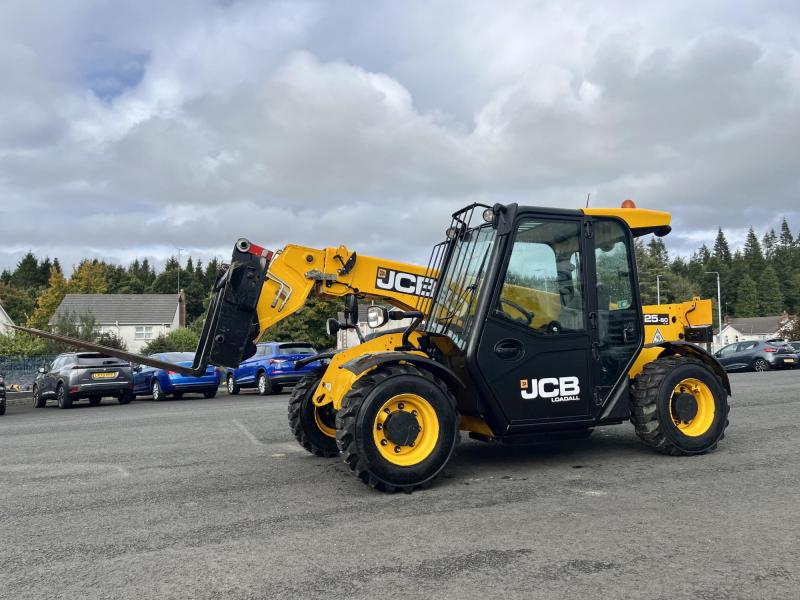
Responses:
[758,325]
[147,309]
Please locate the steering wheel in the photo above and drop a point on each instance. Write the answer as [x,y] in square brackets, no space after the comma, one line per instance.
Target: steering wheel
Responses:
[521,310]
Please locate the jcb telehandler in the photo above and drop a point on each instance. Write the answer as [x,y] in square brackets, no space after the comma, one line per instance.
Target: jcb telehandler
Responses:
[526,326]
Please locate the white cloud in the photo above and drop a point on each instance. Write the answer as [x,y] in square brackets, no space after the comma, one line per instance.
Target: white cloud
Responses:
[369,124]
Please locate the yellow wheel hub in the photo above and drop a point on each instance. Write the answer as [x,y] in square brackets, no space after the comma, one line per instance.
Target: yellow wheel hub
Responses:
[406,430]
[323,417]
[692,407]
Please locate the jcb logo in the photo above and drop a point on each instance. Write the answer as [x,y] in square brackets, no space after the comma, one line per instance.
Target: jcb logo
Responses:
[561,389]
[405,283]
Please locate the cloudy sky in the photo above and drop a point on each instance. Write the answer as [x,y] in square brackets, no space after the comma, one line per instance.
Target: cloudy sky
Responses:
[129,128]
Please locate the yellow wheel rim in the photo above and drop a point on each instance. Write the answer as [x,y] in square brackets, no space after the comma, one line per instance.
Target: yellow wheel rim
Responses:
[319,418]
[701,422]
[422,445]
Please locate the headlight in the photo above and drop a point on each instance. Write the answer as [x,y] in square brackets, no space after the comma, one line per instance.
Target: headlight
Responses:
[377,316]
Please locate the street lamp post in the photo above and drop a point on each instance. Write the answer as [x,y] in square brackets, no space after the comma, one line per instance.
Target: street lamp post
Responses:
[658,289]
[719,302]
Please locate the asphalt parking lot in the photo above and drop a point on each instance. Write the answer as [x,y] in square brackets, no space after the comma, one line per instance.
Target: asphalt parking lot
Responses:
[213,499]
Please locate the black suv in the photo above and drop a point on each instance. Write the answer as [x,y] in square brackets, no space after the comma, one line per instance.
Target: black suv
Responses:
[758,356]
[78,375]
[2,395]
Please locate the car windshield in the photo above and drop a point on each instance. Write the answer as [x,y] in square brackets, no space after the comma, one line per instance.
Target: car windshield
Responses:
[176,357]
[288,349]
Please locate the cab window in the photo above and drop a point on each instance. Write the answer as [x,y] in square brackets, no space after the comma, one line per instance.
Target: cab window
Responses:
[543,287]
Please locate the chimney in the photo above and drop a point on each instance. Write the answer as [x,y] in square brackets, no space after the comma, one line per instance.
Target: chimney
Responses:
[181,309]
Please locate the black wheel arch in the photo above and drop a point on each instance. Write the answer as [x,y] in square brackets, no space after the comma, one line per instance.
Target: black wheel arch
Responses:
[364,363]
[689,349]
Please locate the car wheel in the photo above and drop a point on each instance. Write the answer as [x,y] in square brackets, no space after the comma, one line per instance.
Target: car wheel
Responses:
[2,408]
[38,401]
[264,386]
[126,397]
[210,393]
[63,398]
[233,389]
[760,365]
[155,391]
[95,401]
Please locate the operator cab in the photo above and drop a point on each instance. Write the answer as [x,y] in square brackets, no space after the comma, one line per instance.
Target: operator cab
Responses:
[543,312]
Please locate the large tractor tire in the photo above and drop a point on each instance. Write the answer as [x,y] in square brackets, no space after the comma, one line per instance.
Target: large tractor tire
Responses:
[397,428]
[679,406]
[313,427]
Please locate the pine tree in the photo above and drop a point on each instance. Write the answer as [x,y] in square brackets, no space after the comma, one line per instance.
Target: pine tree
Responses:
[722,251]
[753,255]
[770,297]
[747,297]
[770,243]
[26,275]
[786,240]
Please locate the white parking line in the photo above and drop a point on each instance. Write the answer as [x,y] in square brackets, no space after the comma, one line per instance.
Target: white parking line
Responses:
[246,431]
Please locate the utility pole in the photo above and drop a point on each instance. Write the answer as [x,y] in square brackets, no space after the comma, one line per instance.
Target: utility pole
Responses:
[719,302]
[179,269]
[658,289]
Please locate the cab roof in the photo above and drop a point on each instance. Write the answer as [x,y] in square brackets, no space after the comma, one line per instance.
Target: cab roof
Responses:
[641,220]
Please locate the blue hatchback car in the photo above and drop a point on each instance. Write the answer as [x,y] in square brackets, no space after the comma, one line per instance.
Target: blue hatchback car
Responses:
[272,367]
[159,383]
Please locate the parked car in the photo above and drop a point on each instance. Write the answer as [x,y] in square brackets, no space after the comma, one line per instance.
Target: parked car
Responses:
[2,395]
[160,383]
[77,375]
[758,356]
[795,346]
[272,367]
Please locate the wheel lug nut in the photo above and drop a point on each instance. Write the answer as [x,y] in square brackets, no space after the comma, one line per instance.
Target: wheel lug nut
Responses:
[380,426]
[384,442]
[413,412]
[397,449]
[387,411]
[401,406]
[411,444]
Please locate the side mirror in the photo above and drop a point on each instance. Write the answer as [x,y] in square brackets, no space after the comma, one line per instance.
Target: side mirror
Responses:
[332,327]
[377,316]
[351,309]
[42,370]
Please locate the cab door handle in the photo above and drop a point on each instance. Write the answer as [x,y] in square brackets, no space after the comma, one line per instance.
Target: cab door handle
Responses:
[509,349]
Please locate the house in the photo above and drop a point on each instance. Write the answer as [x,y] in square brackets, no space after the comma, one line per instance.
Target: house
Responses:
[754,328]
[135,318]
[5,320]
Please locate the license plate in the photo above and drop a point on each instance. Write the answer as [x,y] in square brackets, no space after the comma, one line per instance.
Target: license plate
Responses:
[109,375]
[788,360]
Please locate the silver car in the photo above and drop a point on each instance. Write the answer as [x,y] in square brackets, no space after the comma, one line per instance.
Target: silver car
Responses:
[77,375]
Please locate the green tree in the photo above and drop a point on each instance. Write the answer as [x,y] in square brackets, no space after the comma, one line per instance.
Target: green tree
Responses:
[111,339]
[80,327]
[722,251]
[17,303]
[307,325]
[770,297]
[177,340]
[15,343]
[753,255]
[747,298]
[27,275]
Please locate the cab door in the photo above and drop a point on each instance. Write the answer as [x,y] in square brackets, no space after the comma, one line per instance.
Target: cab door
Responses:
[534,354]
[615,315]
